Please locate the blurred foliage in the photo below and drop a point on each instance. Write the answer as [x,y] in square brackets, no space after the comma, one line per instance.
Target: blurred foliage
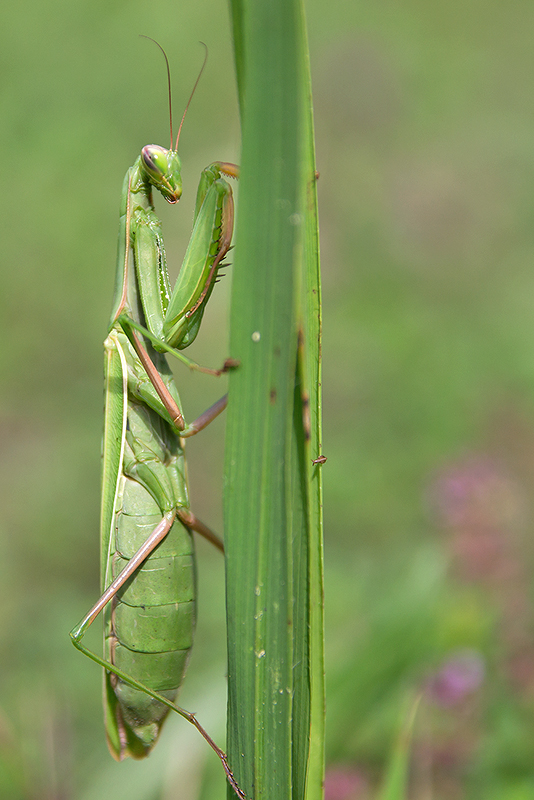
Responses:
[425,142]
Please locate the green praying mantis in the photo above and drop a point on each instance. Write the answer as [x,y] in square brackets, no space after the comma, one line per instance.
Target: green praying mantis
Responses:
[147,555]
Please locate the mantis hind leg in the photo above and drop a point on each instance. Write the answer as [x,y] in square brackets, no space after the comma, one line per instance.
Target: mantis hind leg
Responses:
[77,633]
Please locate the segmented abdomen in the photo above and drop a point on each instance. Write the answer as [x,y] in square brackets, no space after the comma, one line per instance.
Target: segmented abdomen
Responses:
[149,627]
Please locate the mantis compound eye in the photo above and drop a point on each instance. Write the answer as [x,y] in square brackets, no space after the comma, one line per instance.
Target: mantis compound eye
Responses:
[154,159]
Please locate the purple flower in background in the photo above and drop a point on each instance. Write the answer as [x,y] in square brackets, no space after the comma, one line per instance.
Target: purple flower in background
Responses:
[345,783]
[481,509]
[484,515]
[460,676]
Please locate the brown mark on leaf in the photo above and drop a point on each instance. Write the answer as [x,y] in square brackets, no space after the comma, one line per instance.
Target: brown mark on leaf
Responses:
[306,420]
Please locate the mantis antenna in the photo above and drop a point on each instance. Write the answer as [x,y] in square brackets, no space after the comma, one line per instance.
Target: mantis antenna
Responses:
[192,93]
[169,87]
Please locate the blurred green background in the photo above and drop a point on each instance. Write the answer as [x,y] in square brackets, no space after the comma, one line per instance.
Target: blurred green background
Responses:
[425,142]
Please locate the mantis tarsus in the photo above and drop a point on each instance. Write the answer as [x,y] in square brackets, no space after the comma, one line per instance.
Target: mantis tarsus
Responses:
[147,557]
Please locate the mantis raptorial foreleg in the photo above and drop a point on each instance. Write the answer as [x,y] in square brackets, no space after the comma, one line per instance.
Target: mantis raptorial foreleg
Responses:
[147,556]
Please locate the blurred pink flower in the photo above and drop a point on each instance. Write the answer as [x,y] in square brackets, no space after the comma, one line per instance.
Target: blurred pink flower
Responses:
[345,783]
[459,677]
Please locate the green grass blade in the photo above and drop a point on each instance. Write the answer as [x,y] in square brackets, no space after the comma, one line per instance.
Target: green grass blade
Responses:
[310,353]
[272,497]
[396,777]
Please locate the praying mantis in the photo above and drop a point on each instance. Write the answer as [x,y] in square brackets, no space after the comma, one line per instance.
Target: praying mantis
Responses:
[147,554]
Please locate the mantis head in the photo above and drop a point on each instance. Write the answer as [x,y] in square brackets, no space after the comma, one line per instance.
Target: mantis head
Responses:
[162,167]
[163,171]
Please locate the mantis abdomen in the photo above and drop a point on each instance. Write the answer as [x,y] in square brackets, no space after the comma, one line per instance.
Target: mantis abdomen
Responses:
[149,624]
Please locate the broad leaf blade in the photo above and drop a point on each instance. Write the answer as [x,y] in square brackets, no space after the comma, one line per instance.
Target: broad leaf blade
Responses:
[272,499]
